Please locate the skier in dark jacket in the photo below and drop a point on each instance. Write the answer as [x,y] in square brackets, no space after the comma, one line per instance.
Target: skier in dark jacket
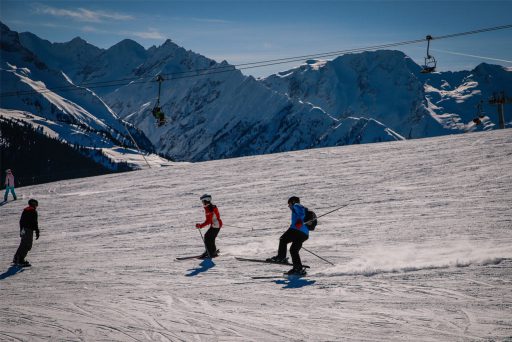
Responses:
[212,219]
[28,225]
[296,235]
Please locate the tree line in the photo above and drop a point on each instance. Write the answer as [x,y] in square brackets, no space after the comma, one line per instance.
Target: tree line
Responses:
[36,158]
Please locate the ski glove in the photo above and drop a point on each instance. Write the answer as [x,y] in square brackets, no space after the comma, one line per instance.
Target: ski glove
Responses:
[198,225]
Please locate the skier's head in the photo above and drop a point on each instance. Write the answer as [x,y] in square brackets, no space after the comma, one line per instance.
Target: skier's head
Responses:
[293,200]
[33,203]
[206,198]
[8,171]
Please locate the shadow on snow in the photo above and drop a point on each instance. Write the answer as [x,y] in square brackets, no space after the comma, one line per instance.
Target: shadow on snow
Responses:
[294,283]
[205,265]
[11,271]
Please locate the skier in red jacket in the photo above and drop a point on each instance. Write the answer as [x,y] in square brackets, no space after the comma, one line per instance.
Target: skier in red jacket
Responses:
[28,225]
[212,219]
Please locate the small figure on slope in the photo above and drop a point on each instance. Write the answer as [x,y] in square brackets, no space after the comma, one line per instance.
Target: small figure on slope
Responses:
[9,184]
[296,234]
[212,219]
[28,225]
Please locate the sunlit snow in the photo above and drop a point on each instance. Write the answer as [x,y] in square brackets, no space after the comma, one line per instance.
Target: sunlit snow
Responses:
[422,253]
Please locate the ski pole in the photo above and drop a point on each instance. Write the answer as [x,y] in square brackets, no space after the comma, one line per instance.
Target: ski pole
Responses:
[307,250]
[204,243]
[343,206]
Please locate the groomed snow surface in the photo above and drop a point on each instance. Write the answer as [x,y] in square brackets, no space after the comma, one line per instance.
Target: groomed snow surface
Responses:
[422,253]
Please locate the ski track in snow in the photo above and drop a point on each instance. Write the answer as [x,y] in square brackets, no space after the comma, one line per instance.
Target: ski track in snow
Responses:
[423,253]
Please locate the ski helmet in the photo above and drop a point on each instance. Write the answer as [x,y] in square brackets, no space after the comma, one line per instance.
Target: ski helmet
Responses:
[32,202]
[206,198]
[8,171]
[292,200]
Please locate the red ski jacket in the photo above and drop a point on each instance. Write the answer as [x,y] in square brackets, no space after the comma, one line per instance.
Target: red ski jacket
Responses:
[212,217]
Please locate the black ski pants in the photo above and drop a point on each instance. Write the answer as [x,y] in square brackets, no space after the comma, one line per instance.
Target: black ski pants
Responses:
[209,240]
[297,238]
[25,245]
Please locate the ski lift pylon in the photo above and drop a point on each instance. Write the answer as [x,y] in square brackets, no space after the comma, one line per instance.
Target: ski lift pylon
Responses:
[157,111]
[430,61]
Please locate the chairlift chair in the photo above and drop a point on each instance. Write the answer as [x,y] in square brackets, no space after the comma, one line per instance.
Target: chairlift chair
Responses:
[430,61]
[157,110]
[480,113]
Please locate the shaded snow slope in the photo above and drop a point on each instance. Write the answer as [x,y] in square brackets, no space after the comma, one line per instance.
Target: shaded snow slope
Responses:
[221,115]
[29,85]
[422,253]
[60,130]
[226,114]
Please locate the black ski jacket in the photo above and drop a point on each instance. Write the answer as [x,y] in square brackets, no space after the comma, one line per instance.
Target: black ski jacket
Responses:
[28,220]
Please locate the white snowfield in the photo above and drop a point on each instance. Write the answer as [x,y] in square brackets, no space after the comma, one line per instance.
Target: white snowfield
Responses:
[422,253]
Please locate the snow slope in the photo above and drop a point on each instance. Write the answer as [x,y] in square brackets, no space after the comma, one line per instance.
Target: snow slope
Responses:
[50,96]
[116,154]
[422,253]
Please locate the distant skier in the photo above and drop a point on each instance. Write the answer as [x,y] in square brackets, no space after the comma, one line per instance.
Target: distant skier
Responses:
[28,225]
[296,234]
[212,219]
[9,184]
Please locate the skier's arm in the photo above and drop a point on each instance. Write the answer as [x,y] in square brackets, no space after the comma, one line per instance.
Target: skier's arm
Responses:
[208,220]
[36,225]
[216,212]
[297,217]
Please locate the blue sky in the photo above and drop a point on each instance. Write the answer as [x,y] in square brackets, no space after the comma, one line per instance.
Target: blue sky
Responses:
[247,31]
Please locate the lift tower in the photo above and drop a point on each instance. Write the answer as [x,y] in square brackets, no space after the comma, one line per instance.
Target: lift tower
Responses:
[500,99]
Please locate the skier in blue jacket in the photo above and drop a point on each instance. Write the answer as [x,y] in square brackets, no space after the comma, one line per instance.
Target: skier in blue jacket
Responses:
[296,235]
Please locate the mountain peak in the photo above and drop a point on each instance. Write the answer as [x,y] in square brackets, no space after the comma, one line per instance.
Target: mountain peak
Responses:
[77,40]
[169,45]
[127,43]
[127,46]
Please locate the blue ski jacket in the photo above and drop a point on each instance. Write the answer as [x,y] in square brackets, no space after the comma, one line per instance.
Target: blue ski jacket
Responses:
[298,215]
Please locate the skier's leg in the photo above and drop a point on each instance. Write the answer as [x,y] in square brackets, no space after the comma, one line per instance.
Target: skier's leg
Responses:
[284,240]
[25,246]
[209,241]
[212,248]
[299,239]
[13,193]
[6,193]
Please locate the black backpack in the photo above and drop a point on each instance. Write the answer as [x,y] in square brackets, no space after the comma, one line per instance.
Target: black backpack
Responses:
[310,219]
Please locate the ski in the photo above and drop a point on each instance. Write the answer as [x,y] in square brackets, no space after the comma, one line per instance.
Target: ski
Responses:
[189,257]
[267,277]
[267,262]
[284,275]
[196,256]
[294,275]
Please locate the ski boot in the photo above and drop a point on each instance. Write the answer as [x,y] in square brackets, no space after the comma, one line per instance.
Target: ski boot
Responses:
[277,260]
[296,271]
[23,263]
[205,255]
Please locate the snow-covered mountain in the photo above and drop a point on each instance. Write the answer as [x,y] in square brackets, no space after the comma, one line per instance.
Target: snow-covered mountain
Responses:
[224,114]
[388,86]
[421,253]
[71,57]
[213,111]
[32,91]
